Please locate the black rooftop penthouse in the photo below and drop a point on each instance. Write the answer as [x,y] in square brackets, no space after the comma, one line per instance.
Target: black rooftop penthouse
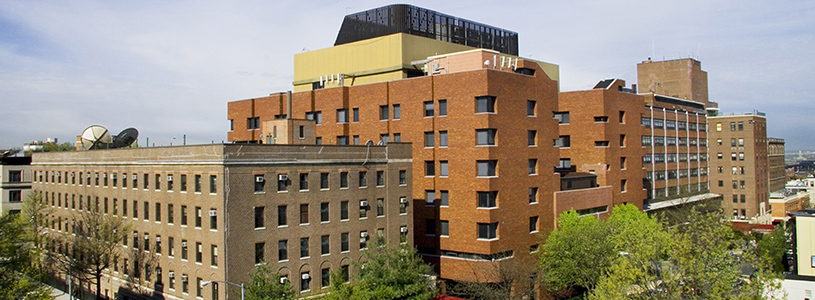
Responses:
[409,19]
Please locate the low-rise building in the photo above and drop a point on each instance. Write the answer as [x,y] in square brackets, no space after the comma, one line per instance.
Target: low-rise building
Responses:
[15,183]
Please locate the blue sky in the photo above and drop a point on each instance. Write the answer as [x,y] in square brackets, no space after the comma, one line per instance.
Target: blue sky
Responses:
[168,68]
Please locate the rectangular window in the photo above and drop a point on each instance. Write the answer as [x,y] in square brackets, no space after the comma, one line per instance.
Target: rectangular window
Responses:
[344,242]
[487,199]
[324,212]
[253,123]
[531,138]
[15,176]
[342,140]
[197,183]
[383,112]
[601,143]
[342,115]
[429,168]
[343,210]
[146,210]
[443,169]
[184,250]
[533,195]
[15,196]
[213,184]
[380,178]
[325,277]
[561,117]
[622,140]
[485,104]
[282,250]
[601,119]
[199,252]
[486,168]
[259,252]
[485,137]
[213,255]
[304,247]
[428,109]
[259,217]
[487,231]
[445,228]
[397,111]
[281,216]
[741,126]
[170,246]
[443,138]
[323,181]
[303,214]
[430,197]
[158,212]
[397,137]
[356,114]
[533,224]
[530,108]
[343,180]
[363,179]
[282,182]
[533,166]
[430,227]
[563,141]
[158,181]
[442,108]
[429,139]
[305,281]
[183,182]
[145,183]
[363,209]
[380,207]
[197,217]
[402,177]
[213,219]
[303,181]
[325,246]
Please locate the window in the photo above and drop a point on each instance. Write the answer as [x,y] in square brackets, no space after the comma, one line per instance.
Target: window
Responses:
[533,224]
[443,169]
[158,211]
[531,138]
[743,198]
[15,176]
[323,181]
[623,185]
[213,184]
[486,168]
[601,143]
[735,198]
[281,216]
[397,112]
[487,231]
[324,212]
[533,166]
[183,182]
[356,140]
[741,142]
[485,104]
[316,116]
[622,140]
[259,217]
[732,126]
[344,242]
[15,196]
[343,180]
[380,207]
[363,179]
[487,199]
[305,280]
[601,119]
[533,195]
[325,245]
[259,252]
[197,217]
[733,142]
[199,252]
[429,139]
[741,126]
[429,168]
[158,181]
[397,137]
[445,199]
[443,138]
[342,115]
[428,108]
[383,112]
[741,155]
[442,108]
[253,123]
[303,214]
[343,210]
[213,255]
[304,247]
[170,246]
[402,177]
[384,138]
[380,178]
[301,132]
[282,250]
[485,137]
[342,140]
[658,123]
[430,197]
[622,117]
[430,227]
[282,182]
[718,126]
[563,141]
[562,117]
[530,108]
[356,114]
[325,277]
[197,183]
[733,156]
[146,210]
[303,181]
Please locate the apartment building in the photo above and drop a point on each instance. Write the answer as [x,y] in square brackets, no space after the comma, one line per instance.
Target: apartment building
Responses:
[212,212]
[776,160]
[15,183]
[740,163]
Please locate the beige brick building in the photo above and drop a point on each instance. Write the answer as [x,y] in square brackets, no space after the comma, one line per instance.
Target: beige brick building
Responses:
[212,212]
[15,183]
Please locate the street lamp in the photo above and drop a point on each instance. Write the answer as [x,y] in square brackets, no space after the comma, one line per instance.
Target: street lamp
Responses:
[227,282]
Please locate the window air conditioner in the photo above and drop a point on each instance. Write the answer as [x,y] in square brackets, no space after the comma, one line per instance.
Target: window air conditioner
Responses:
[283,279]
[172,274]
[363,234]
[170,177]
[363,203]
[112,176]
[88,175]
[212,213]
[184,244]
[258,178]
[282,177]
[184,278]
[305,276]
[134,176]
[403,200]
[403,229]
[158,239]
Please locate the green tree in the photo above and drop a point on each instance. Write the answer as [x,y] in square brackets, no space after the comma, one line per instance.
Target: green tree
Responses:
[386,273]
[264,284]
[18,267]
[772,247]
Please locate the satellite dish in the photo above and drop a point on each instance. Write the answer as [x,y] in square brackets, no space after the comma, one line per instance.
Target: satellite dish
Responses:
[95,137]
[125,138]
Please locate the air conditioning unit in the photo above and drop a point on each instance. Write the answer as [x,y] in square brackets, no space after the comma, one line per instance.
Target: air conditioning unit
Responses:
[403,229]
[88,176]
[282,177]
[184,244]
[135,234]
[172,274]
[184,278]
[113,176]
[258,178]
[170,177]
[212,213]
[158,239]
[363,203]
[363,234]
[305,276]
[403,200]
[134,176]
[283,279]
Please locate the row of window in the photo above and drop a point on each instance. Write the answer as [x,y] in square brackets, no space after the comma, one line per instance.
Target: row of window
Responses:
[113,180]
[112,207]
[672,141]
[673,157]
[305,252]
[325,212]
[674,174]
[737,184]
[283,180]
[733,126]
[671,124]
[733,156]
[735,170]
[486,231]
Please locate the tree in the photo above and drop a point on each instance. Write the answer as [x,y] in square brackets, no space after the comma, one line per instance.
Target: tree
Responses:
[264,284]
[772,247]
[18,271]
[93,246]
[386,273]
[516,279]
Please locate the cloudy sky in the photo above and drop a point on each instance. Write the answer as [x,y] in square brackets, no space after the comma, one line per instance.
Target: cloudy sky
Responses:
[168,68]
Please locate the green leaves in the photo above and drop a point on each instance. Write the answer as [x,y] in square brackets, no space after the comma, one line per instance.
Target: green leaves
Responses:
[264,284]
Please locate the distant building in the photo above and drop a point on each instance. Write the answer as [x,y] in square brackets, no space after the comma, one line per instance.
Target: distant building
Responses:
[800,283]
[212,212]
[15,183]
[778,173]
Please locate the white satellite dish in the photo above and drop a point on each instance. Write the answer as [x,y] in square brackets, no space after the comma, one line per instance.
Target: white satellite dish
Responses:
[95,137]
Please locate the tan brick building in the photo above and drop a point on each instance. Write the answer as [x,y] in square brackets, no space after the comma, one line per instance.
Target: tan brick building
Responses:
[778,172]
[212,212]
